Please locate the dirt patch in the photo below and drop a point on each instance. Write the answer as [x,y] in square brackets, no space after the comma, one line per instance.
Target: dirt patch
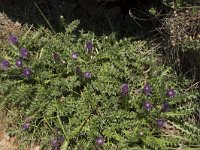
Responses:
[6,142]
[8,27]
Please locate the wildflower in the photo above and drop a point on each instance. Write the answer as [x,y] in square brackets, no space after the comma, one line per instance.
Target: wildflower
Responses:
[56,142]
[124,89]
[170,93]
[13,39]
[165,106]
[147,89]
[160,123]
[5,64]
[87,75]
[26,72]
[75,55]
[25,126]
[89,46]
[23,52]
[18,63]
[99,141]
[147,105]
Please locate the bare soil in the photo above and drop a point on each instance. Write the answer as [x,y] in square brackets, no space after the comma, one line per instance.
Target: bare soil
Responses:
[6,142]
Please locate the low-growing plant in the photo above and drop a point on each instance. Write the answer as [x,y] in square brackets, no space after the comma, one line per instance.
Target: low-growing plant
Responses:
[79,91]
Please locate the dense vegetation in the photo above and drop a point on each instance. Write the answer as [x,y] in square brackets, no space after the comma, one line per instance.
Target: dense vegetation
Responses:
[79,90]
[83,91]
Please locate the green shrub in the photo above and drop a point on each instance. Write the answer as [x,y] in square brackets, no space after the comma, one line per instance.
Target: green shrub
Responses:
[86,92]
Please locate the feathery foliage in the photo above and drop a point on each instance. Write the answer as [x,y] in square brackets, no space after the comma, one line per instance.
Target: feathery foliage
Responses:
[97,99]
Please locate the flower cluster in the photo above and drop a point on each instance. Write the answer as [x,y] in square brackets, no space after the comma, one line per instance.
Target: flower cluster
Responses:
[23,53]
[165,105]
[92,98]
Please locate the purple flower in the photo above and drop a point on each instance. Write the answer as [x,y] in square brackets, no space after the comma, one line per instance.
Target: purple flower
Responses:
[160,123]
[124,89]
[26,72]
[75,55]
[13,39]
[18,63]
[56,142]
[5,64]
[165,106]
[99,141]
[147,106]
[89,46]
[23,52]
[25,126]
[170,93]
[147,89]
[87,75]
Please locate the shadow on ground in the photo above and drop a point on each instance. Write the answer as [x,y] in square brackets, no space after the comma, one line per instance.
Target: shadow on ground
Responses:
[92,18]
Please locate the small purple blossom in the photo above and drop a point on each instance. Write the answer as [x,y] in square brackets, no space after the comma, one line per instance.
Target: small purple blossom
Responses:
[25,126]
[56,142]
[5,64]
[89,46]
[75,55]
[23,52]
[165,106]
[26,72]
[124,89]
[170,93]
[13,39]
[147,89]
[18,63]
[99,141]
[160,123]
[147,106]
[87,75]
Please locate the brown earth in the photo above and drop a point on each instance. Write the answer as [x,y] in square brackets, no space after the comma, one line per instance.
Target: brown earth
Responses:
[6,142]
